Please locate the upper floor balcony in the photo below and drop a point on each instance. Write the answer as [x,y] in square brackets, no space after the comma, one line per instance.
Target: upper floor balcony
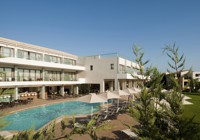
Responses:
[41,64]
[39,83]
[130,76]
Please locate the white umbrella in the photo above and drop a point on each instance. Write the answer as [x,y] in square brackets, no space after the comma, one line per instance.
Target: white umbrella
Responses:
[92,98]
[132,92]
[109,95]
[121,93]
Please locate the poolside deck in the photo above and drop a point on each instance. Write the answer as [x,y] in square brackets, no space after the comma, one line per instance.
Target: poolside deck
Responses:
[114,133]
[36,103]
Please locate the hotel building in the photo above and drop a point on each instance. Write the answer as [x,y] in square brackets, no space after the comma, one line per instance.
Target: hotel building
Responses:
[30,68]
[108,72]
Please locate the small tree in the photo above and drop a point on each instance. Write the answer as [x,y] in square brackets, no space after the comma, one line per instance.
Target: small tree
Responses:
[145,109]
[91,128]
[177,63]
[144,75]
[160,120]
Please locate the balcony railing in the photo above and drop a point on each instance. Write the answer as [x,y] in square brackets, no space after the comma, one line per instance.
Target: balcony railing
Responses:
[4,55]
[20,79]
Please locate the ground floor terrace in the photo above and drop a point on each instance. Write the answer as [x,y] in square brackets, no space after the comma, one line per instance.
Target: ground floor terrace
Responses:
[115,125]
[57,89]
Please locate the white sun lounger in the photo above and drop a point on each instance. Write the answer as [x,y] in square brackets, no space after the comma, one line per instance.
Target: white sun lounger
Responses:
[130,133]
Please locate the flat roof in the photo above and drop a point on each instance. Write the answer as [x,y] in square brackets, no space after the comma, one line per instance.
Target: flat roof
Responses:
[23,45]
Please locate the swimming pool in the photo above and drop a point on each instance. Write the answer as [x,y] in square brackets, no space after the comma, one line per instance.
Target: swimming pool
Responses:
[38,117]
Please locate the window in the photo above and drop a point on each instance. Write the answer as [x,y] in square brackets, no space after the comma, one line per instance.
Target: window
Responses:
[69,61]
[69,76]
[197,75]
[38,75]
[32,75]
[7,52]
[20,76]
[122,69]
[20,54]
[9,74]
[38,57]
[26,55]
[91,67]
[26,75]
[32,56]
[47,58]
[54,59]
[112,66]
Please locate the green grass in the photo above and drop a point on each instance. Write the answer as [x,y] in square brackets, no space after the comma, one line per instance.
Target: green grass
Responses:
[194,109]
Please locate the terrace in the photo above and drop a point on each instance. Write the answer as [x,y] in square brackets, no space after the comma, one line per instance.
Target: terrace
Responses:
[114,133]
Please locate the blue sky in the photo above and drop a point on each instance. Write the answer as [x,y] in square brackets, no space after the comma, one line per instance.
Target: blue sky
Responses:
[88,27]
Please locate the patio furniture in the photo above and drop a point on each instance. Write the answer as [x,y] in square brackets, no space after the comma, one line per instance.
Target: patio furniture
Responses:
[1,106]
[16,102]
[130,133]
[78,125]
[30,100]
[91,98]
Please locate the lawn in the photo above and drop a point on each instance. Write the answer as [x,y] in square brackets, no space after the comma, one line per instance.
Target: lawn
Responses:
[194,109]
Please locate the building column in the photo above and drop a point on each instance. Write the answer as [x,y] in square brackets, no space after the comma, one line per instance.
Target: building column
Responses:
[62,90]
[76,89]
[102,86]
[62,75]
[16,73]
[116,84]
[124,84]
[111,86]
[130,84]
[43,55]
[15,52]
[71,90]
[16,94]
[42,74]
[133,83]
[42,92]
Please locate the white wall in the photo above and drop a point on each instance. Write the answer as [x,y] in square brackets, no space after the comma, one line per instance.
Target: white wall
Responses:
[101,69]
[194,75]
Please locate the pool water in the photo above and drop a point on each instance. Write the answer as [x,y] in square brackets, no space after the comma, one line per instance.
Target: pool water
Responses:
[37,117]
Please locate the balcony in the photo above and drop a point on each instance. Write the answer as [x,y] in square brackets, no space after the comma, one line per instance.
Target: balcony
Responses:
[12,84]
[129,76]
[18,61]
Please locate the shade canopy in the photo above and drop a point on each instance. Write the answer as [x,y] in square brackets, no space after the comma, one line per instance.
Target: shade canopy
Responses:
[121,92]
[109,95]
[131,91]
[92,98]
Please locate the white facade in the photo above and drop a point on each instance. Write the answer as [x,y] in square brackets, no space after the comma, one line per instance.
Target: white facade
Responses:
[196,75]
[110,71]
[26,67]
